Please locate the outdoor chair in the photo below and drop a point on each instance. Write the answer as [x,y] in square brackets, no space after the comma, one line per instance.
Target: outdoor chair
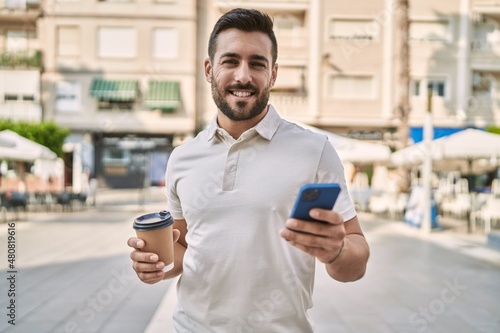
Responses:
[398,206]
[488,214]
[495,187]
[461,205]
[14,202]
[379,204]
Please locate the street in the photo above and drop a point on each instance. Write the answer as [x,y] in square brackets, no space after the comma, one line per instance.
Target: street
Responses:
[436,283]
[72,273]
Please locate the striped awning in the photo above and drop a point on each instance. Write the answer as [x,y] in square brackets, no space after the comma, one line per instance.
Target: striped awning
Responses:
[114,90]
[163,95]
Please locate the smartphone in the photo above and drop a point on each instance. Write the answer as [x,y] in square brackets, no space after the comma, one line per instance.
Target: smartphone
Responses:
[321,195]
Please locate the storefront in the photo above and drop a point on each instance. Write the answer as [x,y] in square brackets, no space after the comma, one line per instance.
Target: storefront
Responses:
[417,133]
[126,161]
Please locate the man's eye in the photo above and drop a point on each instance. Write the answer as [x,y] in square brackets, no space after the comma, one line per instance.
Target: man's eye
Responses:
[258,64]
[230,62]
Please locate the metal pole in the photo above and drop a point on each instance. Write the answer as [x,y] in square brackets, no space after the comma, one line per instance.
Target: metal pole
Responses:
[427,165]
[314,87]
[142,197]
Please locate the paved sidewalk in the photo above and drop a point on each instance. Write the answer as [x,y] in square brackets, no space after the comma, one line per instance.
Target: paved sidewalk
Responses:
[73,273]
[75,276]
[403,291]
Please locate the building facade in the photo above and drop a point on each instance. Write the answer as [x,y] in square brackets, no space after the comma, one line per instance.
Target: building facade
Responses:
[484,63]
[20,60]
[126,76]
[120,71]
[339,63]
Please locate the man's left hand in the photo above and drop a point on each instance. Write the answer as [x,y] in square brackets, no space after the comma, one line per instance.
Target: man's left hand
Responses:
[323,238]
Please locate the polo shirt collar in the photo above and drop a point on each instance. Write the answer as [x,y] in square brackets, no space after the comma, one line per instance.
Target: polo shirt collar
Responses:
[212,129]
[266,128]
[269,124]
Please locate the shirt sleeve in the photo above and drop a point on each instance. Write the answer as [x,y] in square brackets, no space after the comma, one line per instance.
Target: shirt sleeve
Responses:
[331,170]
[173,202]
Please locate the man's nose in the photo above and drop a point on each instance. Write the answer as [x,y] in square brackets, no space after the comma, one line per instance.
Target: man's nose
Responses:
[243,73]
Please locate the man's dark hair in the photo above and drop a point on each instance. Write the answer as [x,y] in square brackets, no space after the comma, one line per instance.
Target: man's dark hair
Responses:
[246,20]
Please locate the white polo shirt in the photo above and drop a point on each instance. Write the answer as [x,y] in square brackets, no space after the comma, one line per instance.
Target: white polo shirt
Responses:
[239,275]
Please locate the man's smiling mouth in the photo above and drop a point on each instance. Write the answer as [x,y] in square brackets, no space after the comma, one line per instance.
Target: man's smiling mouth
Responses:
[239,93]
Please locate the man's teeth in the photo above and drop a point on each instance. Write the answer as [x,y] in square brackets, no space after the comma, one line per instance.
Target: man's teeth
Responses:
[241,93]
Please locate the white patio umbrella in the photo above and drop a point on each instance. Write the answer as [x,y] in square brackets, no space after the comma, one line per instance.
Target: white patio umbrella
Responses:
[23,149]
[467,145]
[5,143]
[353,150]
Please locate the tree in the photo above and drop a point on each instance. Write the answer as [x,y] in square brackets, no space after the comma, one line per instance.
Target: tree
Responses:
[403,108]
[493,129]
[46,133]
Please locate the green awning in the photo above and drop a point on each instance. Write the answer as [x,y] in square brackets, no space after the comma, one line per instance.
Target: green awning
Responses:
[164,95]
[114,90]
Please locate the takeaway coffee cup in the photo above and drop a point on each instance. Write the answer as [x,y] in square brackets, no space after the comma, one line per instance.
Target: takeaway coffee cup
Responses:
[156,231]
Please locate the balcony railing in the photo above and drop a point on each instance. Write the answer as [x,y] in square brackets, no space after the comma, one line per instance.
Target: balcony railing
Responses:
[273,5]
[486,2]
[293,45]
[12,60]
[483,105]
[270,1]
[21,111]
[485,46]
[289,104]
[19,4]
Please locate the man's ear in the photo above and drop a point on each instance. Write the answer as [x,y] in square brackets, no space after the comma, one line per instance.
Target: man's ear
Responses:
[208,70]
[274,74]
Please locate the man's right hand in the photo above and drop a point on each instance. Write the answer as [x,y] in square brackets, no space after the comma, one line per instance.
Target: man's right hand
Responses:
[146,264]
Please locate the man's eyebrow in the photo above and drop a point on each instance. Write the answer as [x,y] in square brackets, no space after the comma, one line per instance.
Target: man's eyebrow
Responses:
[259,57]
[230,55]
[236,55]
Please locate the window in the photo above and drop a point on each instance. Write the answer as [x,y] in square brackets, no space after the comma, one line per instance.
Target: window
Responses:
[20,86]
[289,30]
[116,161]
[415,87]
[354,29]
[10,97]
[21,4]
[286,22]
[290,78]
[19,41]
[114,156]
[117,42]
[420,87]
[438,88]
[68,96]
[429,30]
[352,87]
[165,43]
[68,41]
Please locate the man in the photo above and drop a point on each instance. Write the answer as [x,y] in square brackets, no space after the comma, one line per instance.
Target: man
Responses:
[247,267]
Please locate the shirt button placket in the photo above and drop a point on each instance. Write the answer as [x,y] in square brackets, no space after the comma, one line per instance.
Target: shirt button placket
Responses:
[231,168]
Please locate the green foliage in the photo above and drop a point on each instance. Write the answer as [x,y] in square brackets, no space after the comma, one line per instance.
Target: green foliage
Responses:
[493,129]
[12,60]
[46,133]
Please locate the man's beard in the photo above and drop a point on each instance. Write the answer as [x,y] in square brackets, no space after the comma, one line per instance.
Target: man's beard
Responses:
[239,113]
